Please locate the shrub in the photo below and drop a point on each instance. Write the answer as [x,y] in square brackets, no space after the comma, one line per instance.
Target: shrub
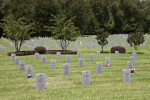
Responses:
[118,48]
[40,50]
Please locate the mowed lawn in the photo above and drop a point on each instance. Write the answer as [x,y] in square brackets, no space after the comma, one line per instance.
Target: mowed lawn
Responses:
[105,86]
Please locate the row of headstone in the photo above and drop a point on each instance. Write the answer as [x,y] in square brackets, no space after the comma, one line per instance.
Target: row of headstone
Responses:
[8,42]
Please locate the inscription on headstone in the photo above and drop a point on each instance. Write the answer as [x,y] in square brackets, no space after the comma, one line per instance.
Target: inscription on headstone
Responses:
[40,81]
[126,76]
[86,78]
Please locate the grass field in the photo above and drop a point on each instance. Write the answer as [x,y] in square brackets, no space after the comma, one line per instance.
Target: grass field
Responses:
[106,86]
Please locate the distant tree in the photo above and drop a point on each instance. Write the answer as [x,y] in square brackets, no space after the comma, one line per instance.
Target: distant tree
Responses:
[102,37]
[135,39]
[16,30]
[64,30]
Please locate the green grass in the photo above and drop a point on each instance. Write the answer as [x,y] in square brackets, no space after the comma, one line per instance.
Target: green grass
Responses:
[106,86]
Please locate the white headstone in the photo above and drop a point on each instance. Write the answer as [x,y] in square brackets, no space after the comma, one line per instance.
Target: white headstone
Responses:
[86,78]
[40,81]
[53,64]
[29,72]
[17,59]
[116,54]
[126,76]
[58,54]
[91,58]
[36,56]
[132,59]
[13,57]
[107,60]
[66,69]
[81,62]
[79,54]
[98,54]
[129,65]
[99,68]
[43,59]
[68,58]
[21,65]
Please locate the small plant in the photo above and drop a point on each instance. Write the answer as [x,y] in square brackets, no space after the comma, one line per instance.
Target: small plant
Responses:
[118,48]
[40,49]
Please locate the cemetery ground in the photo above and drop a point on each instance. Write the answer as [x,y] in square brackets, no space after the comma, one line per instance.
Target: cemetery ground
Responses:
[105,86]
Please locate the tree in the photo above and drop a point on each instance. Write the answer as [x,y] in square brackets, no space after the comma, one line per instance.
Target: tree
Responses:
[64,30]
[102,37]
[16,30]
[135,39]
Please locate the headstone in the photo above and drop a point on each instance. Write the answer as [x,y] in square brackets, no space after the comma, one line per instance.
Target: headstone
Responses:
[81,62]
[79,54]
[134,55]
[86,78]
[17,59]
[21,65]
[58,54]
[99,68]
[129,65]
[126,76]
[36,56]
[116,54]
[98,54]
[132,59]
[91,58]
[29,72]
[53,64]
[107,60]
[43,59]
[66,69]
[40,81]
[68,58]
[13,57]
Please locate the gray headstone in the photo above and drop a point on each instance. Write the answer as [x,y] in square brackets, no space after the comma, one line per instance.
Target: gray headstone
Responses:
[99,68]
[91,58]
[53,64]
[86,78]
[68,58]
[129,65]
[132,59]
[13,57]
[66,69]
[116,54]
[43,59]
[29,72]
[134,55]
[17,59]
[36,56]
[81,62]
[40,81]
[107,60]
[58,54]
[126,76]
[98,54]
[21,65]
[79,54]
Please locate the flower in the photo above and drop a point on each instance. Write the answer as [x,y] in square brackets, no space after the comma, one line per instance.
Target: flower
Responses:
[107,65]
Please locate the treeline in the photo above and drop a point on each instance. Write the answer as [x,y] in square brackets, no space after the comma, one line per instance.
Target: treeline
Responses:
[114,16]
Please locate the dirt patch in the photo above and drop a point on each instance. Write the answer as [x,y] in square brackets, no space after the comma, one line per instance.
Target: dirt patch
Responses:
[24,53]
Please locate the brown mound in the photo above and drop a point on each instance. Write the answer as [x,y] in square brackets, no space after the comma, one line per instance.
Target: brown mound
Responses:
[24,53]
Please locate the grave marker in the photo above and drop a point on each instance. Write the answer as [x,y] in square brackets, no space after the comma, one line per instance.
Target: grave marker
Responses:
[91,58]
[58,54]
[107,60]
[43,59]
[36,56]
[66,69]
[86,78]
[98,54]
[53,64]
[99,68]
[68,58]
[21,65]
[29,72]
[13,57]
[116,54]
[79,54]
[126,76]
[40,81]
[17,59]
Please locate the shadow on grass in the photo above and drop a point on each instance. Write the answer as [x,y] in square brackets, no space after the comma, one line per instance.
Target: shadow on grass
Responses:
[137,52]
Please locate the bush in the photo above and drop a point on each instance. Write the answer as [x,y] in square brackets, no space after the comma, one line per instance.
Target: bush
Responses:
[118,48]
[40,50]
[21,53]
